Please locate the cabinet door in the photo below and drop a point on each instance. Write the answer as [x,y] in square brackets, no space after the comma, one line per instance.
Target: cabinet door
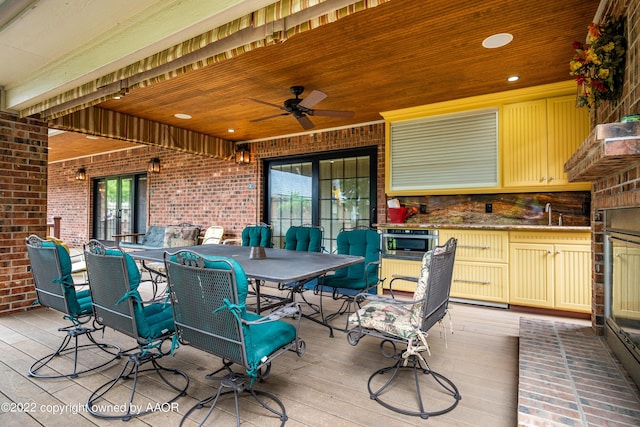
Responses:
[399,267]
[568,127]
[531,272]
[524,138]
[480,281]
[573,277]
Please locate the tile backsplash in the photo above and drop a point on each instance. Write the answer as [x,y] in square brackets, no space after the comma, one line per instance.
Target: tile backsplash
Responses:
[505,209]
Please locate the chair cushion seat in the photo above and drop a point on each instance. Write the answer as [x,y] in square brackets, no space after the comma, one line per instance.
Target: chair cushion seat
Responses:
[334,281]
[389,319]
[158,320]
[265,338]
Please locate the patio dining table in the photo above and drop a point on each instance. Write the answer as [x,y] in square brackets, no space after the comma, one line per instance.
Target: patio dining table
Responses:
[279,265]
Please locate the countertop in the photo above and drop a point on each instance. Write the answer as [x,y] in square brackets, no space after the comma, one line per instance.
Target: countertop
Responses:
[505,227]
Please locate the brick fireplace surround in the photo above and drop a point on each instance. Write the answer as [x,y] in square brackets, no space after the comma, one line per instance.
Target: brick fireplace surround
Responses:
[612,165]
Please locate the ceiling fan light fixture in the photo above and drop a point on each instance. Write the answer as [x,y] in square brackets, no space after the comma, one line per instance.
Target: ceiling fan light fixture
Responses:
[497,40]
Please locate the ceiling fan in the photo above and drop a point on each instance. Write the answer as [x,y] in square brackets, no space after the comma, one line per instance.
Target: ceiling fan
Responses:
[302,108]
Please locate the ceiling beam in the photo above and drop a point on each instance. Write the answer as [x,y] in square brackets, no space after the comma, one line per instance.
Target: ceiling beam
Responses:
[114,125]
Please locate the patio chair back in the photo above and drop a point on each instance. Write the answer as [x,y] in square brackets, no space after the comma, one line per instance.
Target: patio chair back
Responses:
[200,291]
[438,284]
[257,235]
[114,278]
[51,269]
[213,235]
[358,242]
[303,238]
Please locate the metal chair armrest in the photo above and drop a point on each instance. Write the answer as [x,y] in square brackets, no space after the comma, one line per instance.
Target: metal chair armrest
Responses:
[289,310]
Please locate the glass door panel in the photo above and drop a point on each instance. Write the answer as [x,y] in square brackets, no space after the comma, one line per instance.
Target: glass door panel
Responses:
[344,195]
[291,198]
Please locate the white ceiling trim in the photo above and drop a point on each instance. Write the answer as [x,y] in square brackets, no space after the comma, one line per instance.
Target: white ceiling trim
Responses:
[161,25]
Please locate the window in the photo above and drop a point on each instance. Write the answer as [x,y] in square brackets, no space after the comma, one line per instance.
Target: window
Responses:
[448,151]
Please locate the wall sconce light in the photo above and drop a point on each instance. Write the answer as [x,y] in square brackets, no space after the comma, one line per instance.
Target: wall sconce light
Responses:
[81,174]
[243,155]
[154,165]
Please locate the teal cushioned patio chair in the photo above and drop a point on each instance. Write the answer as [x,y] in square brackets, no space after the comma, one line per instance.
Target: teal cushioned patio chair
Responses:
[407,322]
[51,267]
[302,238]
[114,278]
[253,235]
[208,297]
[257,235]
[347,282]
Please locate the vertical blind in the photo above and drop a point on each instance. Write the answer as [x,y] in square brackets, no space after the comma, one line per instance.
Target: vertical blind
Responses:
[443,152]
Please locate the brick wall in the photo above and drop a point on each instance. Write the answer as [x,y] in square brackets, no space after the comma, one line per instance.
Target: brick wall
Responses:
[622,188]
[23,205]
[194,189]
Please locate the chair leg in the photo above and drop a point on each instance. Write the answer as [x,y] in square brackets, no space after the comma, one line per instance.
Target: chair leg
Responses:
[237,383]
[101,405]
[66,348]
[423,377]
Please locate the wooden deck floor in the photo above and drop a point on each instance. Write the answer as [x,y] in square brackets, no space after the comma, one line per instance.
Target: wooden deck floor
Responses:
[325,387]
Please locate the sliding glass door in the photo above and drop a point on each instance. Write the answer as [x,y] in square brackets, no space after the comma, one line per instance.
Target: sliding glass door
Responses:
[333,190]
[119,206]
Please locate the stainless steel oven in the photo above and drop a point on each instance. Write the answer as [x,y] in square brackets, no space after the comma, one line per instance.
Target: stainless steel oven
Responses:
[408,244]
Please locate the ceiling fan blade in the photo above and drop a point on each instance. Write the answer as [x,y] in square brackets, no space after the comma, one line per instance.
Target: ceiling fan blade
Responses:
[267,103]
[331,113]
[305,122]
[312,99]
[269,117]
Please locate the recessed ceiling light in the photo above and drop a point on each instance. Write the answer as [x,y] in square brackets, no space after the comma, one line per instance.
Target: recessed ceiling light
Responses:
[92,137]
[231,130]
[182,116]
[497,40]
[513,78]
[117,97]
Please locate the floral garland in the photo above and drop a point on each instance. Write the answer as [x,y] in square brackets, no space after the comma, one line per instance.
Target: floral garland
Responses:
[598,66]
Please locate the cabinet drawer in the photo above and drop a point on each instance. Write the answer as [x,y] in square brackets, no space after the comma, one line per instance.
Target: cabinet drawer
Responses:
[486,282]
[482,246]
[560,237]
[400,267]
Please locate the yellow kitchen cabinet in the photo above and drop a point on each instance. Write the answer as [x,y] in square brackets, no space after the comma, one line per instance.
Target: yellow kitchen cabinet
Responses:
[538,137]
[399,267]
[481,267]
[550,270]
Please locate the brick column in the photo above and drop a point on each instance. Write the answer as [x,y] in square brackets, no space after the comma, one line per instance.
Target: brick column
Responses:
[23,205]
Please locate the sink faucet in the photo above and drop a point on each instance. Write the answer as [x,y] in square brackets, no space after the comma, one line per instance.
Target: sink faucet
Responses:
[547,208]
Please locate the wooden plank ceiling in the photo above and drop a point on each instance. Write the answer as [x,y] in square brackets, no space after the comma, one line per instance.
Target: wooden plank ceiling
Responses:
[400,54]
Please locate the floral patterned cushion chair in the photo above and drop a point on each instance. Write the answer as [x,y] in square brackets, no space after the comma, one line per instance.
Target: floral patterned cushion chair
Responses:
[407,322]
